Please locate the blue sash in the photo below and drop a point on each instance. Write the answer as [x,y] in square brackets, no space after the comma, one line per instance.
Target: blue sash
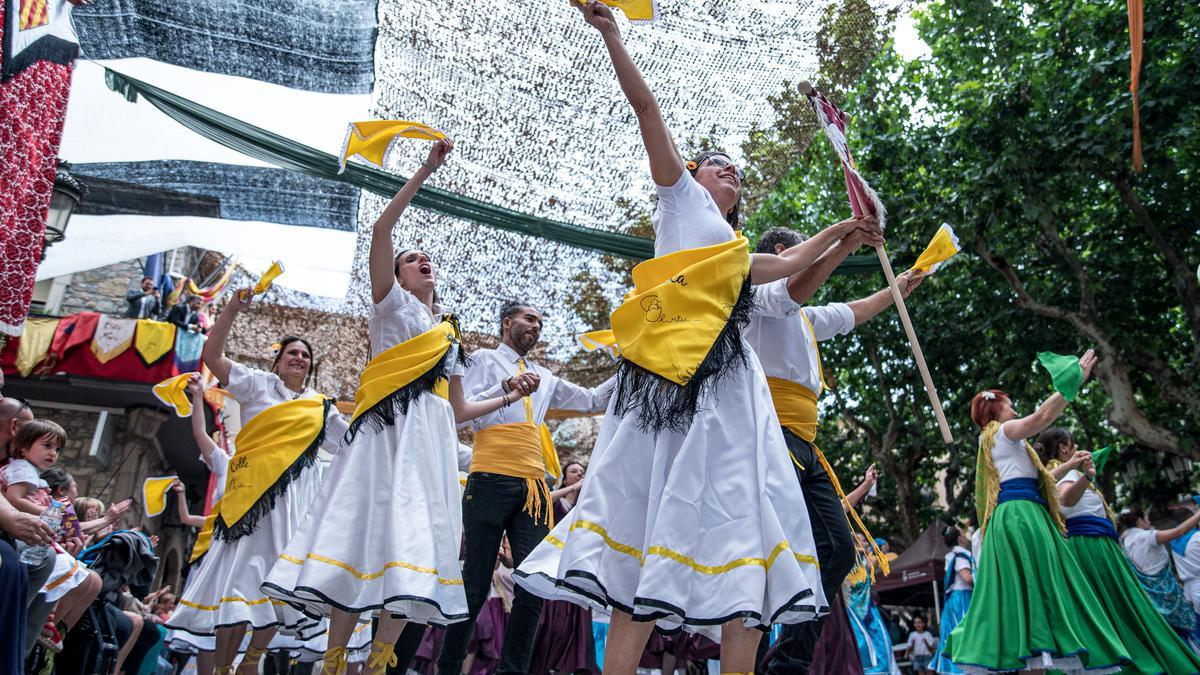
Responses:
[1090,526]
[1023,489]
[949,579]
[1179,544]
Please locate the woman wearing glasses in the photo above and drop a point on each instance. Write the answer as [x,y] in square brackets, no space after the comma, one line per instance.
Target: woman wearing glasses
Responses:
[690,515]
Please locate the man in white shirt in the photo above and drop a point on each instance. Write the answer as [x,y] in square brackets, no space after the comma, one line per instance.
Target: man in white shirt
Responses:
[506,490]
[784,335]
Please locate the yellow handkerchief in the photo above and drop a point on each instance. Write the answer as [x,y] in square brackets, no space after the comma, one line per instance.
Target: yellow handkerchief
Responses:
[154,494]
[172,392]
[264,282]
[942,248]
[371,140]
[635,10]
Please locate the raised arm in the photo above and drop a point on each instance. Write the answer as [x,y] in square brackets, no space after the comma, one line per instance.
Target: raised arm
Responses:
[870,307]
[804,285]
[1164,536]
[382,259]
[1034,424]
[199,431]
[856,495]
[214,347]
[185,516]
[765,268]
[665,164]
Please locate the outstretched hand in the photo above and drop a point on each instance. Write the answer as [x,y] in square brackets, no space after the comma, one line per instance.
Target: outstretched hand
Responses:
[598,15]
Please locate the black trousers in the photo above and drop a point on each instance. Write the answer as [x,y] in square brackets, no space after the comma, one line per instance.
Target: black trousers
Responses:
[492,506]
[835,550]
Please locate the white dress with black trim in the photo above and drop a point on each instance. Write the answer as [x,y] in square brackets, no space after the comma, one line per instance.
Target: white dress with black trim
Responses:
[691,528]
[386,529]
[225,591]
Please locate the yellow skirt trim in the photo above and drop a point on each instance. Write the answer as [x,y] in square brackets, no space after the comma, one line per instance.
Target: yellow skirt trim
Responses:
[367,577]
[680,558]
[213,608]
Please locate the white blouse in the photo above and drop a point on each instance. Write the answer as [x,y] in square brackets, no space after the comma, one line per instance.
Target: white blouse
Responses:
[687,217]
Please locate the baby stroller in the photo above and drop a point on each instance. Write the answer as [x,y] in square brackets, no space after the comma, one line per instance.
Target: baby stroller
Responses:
[122,558]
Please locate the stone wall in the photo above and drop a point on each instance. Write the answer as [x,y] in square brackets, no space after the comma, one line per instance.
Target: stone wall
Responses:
[102,289]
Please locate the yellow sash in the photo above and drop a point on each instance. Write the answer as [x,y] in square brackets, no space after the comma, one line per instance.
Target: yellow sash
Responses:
[204,539]
[987,481]
[678,307]
[796,407]
[273,448]
[518,450]
[397,367]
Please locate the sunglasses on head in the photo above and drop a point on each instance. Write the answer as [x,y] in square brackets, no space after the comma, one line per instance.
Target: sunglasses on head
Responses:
[721,161]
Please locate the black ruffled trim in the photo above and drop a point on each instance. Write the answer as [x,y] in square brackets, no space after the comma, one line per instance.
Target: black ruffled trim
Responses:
[46,48]
[383,414]
[662,404]
[248,523]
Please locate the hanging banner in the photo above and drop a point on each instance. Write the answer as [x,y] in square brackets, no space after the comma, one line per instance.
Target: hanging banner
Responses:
[37,30]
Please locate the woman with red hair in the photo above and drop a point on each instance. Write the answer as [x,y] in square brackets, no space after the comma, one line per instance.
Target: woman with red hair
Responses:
[1032,608]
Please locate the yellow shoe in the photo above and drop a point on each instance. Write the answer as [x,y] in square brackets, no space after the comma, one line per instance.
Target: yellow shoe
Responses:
[249,664]
[383,656]
[223,670]
[335,661]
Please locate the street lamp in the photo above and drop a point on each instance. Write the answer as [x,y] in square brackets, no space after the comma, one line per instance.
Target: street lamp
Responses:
[63,200]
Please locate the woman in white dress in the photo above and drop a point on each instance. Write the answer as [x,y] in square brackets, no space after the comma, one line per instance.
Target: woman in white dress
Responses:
[385,533]
[222,597]
[690,516]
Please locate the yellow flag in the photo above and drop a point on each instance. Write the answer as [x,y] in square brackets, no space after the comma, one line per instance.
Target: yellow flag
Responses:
[153,340]
[172,392]
[264,282]
[371,140]
[154,494]
[635,10]
[942,248]
[35,342]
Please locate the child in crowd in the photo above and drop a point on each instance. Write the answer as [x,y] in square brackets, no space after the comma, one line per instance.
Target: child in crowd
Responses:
[920,646]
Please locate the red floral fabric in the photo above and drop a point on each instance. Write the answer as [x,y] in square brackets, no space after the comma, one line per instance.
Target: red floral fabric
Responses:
[33,107]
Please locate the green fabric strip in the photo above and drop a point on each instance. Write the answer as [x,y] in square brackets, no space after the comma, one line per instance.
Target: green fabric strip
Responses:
[287,154]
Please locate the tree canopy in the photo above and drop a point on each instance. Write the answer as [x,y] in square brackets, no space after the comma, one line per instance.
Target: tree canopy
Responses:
[1016,131]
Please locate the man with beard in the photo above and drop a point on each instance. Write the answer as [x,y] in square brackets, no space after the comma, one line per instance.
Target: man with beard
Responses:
[506,491]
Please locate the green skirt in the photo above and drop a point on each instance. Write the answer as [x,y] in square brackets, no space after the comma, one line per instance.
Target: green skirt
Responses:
[1152,644]
[1032,606]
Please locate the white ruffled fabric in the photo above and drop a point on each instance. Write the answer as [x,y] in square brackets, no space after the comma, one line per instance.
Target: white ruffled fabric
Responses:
[690,529]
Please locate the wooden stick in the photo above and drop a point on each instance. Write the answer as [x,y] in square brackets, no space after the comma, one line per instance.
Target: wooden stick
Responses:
[918,355]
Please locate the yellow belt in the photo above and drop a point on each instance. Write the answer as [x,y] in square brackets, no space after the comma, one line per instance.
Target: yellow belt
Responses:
[516,450]
[796,407]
